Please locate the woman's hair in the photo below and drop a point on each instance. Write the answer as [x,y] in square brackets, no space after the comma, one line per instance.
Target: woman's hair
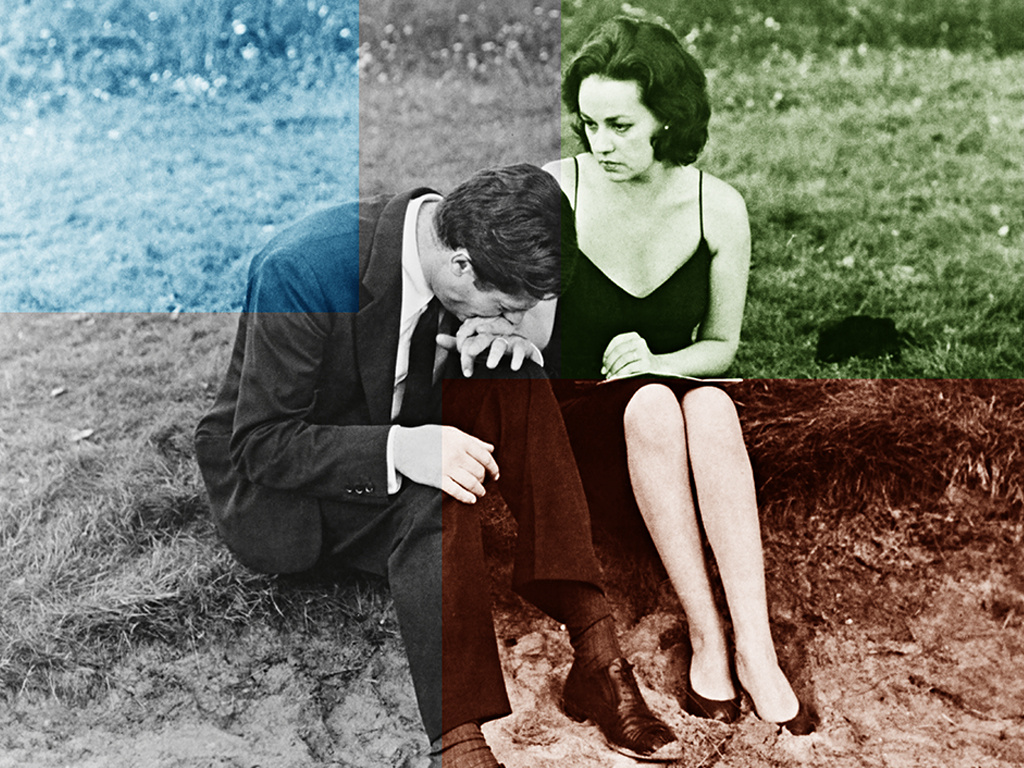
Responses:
[672,83]
[513,223]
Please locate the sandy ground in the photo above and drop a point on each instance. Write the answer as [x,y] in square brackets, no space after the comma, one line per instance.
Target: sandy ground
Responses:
[935,678]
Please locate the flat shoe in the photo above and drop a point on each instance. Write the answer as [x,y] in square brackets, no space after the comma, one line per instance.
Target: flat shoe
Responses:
[610,697]
[805,722]
[724,711]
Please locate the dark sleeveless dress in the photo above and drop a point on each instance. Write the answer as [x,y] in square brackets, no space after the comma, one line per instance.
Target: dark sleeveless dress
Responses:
[591,311]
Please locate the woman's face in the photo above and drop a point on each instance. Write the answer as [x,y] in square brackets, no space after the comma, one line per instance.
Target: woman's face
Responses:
[618,126]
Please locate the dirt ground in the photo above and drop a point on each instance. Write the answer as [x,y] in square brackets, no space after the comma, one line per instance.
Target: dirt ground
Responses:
[913,655]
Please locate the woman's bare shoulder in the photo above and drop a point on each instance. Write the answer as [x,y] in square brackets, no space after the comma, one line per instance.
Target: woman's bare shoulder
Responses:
[726,225]
[561,169]
[565,171]
[722,199]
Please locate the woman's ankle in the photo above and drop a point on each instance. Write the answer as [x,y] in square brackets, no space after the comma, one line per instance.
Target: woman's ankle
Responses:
[710,673]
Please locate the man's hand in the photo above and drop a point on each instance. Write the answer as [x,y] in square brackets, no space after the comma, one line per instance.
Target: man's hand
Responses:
[627,355]
[465,461]
[497,336]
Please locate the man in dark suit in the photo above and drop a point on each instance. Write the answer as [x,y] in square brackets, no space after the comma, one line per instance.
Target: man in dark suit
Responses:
[328,440]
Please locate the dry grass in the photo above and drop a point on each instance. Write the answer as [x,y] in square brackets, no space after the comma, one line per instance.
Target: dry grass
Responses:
[863,448]
[106,540]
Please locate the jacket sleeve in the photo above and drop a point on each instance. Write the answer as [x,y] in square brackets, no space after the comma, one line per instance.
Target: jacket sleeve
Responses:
[275,441]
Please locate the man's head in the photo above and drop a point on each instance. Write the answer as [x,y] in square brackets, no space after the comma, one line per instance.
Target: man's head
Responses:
[508,236]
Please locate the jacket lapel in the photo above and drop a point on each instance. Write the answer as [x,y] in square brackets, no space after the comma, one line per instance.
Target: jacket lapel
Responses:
[381,222]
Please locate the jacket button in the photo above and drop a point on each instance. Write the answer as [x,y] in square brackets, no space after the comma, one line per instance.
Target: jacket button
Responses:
[369,488]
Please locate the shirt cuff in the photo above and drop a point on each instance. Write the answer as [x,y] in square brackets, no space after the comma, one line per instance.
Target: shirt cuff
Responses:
[394,479]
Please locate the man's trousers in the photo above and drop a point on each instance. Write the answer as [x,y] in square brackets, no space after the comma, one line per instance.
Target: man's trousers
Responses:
[430,549]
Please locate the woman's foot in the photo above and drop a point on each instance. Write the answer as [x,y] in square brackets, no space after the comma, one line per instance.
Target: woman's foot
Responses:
[771,693]
[717,699]
[805,722]
[724,711]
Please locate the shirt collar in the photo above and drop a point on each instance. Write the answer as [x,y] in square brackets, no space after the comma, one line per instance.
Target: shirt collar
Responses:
[415,291]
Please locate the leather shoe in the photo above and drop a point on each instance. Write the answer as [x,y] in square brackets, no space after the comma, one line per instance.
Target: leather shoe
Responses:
[724,711]
[611,698]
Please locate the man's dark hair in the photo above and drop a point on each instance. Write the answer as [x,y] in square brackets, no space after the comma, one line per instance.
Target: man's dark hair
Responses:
[672,83]
[510,221]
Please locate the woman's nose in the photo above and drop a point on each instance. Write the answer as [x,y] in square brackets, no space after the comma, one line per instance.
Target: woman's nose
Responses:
[600,141]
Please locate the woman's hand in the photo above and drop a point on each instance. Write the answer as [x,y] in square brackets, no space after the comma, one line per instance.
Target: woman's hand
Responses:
[627,355]
[494,335]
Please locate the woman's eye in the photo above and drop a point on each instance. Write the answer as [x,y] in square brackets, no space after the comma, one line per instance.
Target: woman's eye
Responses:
[621,128]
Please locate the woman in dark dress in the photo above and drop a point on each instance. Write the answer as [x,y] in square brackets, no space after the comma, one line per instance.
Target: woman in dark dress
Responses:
[658,291]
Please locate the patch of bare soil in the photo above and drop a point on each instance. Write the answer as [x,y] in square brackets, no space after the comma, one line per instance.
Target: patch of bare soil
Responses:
[264,699]
[913,655]
[942,685]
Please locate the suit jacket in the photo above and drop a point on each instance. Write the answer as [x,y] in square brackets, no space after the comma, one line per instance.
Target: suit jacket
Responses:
[305,408]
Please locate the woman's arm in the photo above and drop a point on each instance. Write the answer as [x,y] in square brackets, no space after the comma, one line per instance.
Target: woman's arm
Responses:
[538,323]
[727,230]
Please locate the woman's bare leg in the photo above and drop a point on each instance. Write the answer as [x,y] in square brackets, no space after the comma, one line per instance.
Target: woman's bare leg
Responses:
[728,509]
[659,471]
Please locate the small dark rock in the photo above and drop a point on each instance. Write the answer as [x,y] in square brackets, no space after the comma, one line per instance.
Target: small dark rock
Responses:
[860,336]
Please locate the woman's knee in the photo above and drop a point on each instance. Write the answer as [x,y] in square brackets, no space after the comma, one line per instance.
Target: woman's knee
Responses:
[709,402]
[653,414]
[711,418]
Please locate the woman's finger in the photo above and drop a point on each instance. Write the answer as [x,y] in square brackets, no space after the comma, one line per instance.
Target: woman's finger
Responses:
[470,349]
[620,345]
[621,359]
[497,351]
[518,356]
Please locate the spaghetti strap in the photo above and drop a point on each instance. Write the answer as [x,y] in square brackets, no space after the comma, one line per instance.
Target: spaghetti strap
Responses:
[576,184]
[700,203]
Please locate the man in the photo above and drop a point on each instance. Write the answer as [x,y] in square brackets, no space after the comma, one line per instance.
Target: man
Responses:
[327,440]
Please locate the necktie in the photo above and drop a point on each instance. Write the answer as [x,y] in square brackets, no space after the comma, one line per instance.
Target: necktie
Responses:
[421,403]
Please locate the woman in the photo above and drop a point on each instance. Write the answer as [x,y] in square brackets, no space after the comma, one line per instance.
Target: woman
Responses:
[659,291]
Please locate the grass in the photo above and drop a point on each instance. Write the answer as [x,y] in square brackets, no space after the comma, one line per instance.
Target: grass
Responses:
[145,208]
[887,185]
[884,184]
[751,29]
[152,206]
[857,450]
[881,180]
[501,121]
[106,539]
